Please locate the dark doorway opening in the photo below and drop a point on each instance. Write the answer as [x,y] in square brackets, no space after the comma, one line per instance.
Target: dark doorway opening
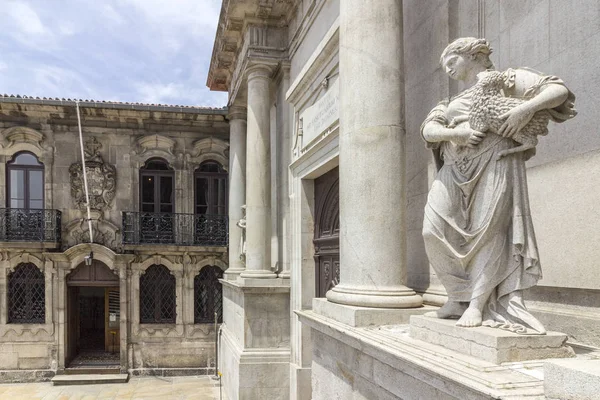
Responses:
[93,317]
[327,232]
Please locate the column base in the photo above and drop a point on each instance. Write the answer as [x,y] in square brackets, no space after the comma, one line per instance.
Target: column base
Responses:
[366,316]
[398,297]
[258,274]
[232,273]
[284,275]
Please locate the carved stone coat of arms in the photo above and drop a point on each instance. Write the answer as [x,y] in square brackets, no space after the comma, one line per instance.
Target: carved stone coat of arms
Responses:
[101,178]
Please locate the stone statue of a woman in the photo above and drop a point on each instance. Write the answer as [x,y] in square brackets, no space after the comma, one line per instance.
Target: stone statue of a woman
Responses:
[477,228]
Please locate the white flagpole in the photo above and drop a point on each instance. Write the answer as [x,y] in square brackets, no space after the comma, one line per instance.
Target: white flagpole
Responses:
[85,183]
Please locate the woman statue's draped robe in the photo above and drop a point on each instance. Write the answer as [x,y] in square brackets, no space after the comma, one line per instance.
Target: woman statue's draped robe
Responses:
[477,228]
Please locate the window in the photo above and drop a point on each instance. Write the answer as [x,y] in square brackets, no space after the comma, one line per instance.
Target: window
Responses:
[26,295]
[211,189]
[156,202]
[208,295]
[157,296]
[156,187]
[25,177]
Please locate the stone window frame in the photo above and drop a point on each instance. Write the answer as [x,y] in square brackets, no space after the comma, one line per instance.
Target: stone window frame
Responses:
[12,166]
[28,285]
[147,330]
[41,331]
[157,270]
[196,290]
[193,265]
[18,139]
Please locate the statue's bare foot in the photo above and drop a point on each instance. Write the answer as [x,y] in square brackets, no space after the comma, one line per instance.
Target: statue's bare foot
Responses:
[472,317]
[452,309]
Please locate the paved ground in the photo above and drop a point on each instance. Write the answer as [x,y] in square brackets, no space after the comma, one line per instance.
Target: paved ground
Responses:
[179,388]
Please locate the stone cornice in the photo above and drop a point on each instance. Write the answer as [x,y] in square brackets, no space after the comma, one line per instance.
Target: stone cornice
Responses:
[247,29]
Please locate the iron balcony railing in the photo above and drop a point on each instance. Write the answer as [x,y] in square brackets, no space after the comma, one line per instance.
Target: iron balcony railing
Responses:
[176,229]
[25,225]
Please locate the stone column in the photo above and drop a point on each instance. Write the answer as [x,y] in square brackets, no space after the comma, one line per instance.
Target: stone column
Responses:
[258,183]
[372,171]
[237,187]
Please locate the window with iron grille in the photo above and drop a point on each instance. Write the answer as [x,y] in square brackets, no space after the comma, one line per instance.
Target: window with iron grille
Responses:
[208,295]
[157,296]
[26,295]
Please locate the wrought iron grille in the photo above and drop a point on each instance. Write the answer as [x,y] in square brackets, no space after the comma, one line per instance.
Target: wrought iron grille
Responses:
[208,295]
[26,295]
[25,225]
[157,296]
[174,228]
[211,230]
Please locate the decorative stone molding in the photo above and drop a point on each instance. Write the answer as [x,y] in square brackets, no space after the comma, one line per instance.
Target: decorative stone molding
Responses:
[22,134]
[209,149]
[24,258]
[76,255]
[156,142]
[101,178]
[20,138]
[105,233]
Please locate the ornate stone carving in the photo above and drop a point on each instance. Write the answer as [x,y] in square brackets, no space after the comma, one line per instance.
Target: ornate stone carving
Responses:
[101,178]
[487,255]
[156,142]
[105,233]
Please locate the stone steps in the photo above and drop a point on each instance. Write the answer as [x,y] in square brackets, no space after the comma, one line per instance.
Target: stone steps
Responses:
[92,370]
[89,379]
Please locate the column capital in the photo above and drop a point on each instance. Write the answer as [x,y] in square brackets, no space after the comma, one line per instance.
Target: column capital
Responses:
[237,112]
[259,70]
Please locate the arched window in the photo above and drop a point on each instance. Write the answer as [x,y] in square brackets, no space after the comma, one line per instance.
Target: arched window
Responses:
[208,295]
[25,182]
[157,202]
[211,189]
[26,295]
[156,187]
[157,296]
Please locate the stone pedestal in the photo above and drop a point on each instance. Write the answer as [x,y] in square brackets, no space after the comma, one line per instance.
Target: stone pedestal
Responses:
[572,379]
[254,351]
[489,344]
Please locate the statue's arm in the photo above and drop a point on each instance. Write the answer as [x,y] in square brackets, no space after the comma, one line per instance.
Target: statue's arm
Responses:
[542,93]
[434,132]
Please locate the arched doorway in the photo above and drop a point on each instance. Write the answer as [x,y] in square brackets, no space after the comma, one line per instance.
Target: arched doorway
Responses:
[327,232]
[93,315]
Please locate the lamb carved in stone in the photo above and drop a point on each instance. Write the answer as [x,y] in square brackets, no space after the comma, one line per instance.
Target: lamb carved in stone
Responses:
[489,104]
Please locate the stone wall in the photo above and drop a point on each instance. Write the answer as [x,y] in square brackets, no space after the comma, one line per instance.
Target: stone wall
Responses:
[126,136]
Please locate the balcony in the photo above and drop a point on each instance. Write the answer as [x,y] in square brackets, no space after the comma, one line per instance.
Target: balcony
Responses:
[141,228]
[30,225]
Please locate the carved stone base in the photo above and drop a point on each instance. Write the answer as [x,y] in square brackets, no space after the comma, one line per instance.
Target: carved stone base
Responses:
[489,344]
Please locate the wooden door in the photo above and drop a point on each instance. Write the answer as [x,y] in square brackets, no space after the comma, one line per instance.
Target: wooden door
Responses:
[327,232]
[112,316]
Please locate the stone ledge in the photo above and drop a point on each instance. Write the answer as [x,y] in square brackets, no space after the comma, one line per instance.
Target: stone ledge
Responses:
[457,376]
[490,344]
[366,316]
[276,285]
[572,379]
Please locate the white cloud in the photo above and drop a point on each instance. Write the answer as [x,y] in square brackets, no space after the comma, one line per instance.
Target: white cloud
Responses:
[25,17]
[154,51]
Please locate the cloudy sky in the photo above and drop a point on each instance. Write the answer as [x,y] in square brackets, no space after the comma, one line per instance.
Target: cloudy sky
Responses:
[151,51]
